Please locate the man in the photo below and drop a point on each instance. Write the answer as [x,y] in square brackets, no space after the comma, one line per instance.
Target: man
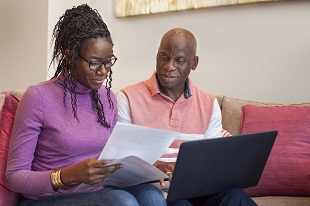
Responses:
[169,100]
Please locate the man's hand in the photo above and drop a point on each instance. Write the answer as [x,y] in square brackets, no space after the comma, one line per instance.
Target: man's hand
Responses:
[167,168]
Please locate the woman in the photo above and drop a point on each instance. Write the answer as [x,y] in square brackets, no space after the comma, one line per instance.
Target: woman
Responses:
[61,125]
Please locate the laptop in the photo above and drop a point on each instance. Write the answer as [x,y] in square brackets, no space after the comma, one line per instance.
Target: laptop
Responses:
[206,167]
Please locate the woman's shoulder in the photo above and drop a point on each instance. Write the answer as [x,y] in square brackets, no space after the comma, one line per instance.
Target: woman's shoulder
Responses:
[41,89]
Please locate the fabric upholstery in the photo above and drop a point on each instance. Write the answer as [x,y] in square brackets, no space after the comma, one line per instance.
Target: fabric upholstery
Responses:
[231,111]
[281,201]
[17,93]
[7,114]
[287,170]
[1,100]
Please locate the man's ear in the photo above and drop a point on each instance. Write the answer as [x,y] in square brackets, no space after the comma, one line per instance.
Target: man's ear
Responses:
[196,59]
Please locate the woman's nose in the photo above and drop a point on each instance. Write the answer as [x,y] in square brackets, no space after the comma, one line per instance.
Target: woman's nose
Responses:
[102,70]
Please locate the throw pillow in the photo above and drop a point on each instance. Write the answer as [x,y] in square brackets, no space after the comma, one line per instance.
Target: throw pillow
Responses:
[231,111]
[287,170]
[7,115]
[1,100]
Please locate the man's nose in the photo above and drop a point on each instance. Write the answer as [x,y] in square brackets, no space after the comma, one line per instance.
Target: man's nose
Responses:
[169,66]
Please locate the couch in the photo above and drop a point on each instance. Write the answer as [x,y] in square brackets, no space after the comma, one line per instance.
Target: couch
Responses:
[286,178]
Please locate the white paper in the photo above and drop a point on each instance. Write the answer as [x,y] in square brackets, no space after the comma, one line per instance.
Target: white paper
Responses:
[133,140]
[137,148]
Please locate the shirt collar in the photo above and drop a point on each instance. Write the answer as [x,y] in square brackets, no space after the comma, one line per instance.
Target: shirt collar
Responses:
[187,90]
[80,89]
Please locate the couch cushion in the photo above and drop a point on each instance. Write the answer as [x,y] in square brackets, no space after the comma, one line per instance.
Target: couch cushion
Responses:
[281,201]
[1,100]
[17,93]
[231,111]
[219,99]
[7,115]
[287,170]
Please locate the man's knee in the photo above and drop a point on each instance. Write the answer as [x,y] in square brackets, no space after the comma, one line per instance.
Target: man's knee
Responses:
[236,196]
[234,192]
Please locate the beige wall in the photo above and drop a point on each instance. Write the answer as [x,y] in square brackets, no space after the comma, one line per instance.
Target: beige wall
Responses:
[256,51]
[23,37]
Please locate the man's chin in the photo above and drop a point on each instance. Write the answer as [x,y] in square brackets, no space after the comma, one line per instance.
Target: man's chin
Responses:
[167,85]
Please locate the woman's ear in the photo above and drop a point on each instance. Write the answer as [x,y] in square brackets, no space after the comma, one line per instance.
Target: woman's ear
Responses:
[68,57]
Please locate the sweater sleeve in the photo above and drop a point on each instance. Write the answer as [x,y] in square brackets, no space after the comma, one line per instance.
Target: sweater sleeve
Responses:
[26,130]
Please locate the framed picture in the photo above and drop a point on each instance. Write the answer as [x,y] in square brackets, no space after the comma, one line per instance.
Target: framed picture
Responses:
[125,8]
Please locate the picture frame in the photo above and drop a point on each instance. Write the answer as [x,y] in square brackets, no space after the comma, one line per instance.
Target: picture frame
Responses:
[124,8]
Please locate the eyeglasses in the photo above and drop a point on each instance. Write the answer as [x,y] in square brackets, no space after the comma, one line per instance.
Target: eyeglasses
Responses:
[95,65]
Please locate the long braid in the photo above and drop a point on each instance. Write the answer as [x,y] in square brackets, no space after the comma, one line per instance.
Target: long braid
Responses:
[98,104]
[108,86]
[75,26]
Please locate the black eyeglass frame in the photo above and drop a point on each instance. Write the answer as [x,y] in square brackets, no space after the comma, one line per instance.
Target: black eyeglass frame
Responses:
[95,65]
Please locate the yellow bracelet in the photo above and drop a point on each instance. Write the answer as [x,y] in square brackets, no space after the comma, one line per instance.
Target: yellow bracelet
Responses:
[56,180]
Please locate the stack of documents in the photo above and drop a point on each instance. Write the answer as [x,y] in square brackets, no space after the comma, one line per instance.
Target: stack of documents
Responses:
[137,148]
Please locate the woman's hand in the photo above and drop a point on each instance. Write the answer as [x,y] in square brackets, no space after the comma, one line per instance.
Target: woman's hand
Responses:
[90,171]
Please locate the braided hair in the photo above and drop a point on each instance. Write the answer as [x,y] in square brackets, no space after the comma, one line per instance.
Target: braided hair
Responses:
[73,27]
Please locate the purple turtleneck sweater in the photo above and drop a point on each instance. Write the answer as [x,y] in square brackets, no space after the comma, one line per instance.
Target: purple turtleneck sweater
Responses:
[46,136]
